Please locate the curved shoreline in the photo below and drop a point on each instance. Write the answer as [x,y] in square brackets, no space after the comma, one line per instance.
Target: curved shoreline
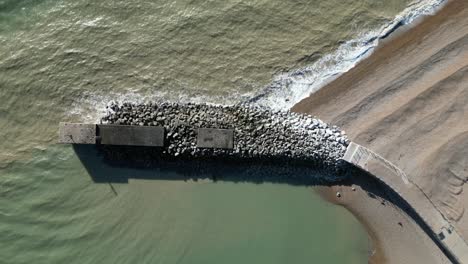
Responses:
[411,199]
[389,102]
[289,88]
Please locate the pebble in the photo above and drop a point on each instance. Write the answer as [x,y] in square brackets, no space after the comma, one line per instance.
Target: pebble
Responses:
[259,132]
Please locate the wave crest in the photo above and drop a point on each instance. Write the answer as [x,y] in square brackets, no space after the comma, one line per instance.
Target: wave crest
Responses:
[288,89]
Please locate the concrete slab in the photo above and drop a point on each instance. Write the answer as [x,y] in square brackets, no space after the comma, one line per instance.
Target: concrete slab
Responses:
[396,179]
[215,138]
[152,136]
[73,133]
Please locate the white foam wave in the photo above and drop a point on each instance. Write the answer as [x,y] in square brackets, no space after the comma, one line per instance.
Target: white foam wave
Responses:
[90,22]
[90,106]
[286,89]
[290,88]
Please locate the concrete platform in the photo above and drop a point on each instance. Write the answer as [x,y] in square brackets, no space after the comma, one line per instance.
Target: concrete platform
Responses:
[73,133]
[396,179]
[215,138]
[151,136]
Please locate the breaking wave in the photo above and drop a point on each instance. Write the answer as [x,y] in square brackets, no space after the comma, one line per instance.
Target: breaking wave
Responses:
[286,89]
[90,107]
[290,88]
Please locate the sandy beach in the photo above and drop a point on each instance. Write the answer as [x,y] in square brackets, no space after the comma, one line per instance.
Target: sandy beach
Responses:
[408,102]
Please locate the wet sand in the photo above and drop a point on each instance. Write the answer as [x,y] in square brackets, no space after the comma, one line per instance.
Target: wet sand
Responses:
[408,102]
[395,236]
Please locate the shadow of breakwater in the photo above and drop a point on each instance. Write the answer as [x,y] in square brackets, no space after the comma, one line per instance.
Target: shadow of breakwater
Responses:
[109,164]
[118,164]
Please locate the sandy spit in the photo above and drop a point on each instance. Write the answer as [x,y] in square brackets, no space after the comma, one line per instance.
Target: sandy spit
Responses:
[408,102]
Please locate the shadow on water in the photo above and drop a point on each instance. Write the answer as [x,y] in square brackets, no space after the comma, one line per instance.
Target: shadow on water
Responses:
[139,163]
[109,168]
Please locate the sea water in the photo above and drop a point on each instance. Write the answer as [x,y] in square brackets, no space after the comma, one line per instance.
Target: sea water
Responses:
[64,60]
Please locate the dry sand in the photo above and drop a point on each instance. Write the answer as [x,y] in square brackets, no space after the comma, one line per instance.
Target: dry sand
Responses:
[408,102]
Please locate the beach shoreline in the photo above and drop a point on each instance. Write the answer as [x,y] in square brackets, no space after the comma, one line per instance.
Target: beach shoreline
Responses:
[397,102]
[328,193]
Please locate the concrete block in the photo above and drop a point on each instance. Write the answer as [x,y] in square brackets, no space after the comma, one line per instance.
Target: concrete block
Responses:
[396,179]
[74,133]
[152,136]
[215,138]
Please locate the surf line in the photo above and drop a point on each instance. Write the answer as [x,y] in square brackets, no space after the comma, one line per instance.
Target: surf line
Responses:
[287,89]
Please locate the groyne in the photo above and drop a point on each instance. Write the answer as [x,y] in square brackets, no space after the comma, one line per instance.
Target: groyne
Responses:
[173,132]
[254,132]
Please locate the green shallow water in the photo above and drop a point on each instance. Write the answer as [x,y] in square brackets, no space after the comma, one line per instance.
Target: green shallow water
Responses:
[52,212]
[64,60]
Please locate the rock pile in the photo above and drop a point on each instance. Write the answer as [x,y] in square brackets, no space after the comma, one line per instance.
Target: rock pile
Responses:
[258,133]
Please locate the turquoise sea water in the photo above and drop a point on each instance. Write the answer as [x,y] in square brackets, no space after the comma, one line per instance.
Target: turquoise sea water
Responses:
[52,212]
[64,60]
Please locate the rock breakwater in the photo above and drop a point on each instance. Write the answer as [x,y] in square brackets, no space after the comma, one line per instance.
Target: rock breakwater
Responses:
[259,133]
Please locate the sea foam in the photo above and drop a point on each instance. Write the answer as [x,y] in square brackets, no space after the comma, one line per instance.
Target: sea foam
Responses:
[288,89]
[90,106]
